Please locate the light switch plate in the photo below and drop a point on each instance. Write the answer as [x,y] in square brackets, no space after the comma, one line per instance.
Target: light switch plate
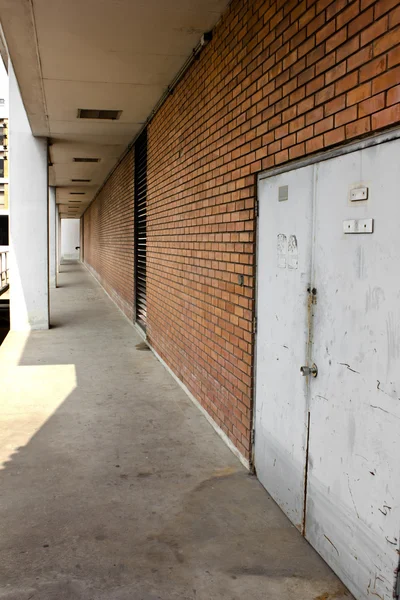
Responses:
[358,226]
[358,194]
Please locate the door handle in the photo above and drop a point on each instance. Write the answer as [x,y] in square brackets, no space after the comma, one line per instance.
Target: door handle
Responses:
[306,371]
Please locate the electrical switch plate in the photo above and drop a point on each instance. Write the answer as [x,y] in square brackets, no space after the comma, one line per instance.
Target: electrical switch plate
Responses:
[358,226]
[358,194]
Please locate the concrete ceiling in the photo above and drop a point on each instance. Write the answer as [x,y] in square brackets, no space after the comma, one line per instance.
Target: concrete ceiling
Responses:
[97,54]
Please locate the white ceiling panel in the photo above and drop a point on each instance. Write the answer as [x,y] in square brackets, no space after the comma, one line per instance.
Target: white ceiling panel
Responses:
[97,54]
[62,129]
[65,172]
[92,138]
[113,67]
[163,27]
[64,151]
[63,98]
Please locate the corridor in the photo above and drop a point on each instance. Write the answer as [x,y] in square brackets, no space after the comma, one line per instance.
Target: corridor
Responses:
[113,484]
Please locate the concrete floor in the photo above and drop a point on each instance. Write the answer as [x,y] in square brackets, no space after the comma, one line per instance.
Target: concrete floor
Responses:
[114,486]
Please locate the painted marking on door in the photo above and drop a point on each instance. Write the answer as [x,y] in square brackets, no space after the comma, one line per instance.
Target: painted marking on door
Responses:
[293,254]
[282,250]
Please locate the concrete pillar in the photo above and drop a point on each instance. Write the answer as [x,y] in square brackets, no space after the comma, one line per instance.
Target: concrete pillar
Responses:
[52,238]
[28,173]
[58,240]
[57,243]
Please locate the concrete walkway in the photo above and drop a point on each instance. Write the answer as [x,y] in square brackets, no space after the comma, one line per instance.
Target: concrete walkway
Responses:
[114,486]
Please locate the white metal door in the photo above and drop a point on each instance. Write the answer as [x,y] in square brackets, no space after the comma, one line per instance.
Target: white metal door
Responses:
[330,445]
[284,266]
[353,496]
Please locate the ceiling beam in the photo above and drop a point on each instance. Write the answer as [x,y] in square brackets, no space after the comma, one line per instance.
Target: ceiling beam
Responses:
[18,23]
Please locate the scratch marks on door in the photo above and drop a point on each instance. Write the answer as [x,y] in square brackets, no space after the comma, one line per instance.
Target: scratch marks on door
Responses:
[391,542]
[293,253]
[385,510]
[332,544]
[379,408]
[352,497]
[349,368]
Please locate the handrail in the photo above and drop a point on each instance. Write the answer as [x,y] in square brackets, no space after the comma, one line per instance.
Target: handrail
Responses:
[4,283]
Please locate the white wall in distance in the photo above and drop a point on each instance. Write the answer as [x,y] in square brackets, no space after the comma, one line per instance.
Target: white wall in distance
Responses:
[70,238]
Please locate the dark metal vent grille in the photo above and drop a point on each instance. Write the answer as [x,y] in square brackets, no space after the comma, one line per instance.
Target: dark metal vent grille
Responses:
[90,113]
[85,159]
[141,228]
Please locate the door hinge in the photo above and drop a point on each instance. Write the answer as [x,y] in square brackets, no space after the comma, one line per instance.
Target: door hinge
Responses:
[255,325]
[252,436]
[256,208]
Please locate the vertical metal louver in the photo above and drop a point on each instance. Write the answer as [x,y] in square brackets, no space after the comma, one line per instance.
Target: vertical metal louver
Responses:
[140,227]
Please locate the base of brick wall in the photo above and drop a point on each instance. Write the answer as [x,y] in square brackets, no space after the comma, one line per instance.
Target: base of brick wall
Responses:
[123,306]
[214,425]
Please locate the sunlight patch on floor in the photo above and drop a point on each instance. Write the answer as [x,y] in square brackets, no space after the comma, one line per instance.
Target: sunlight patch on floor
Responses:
[29,395]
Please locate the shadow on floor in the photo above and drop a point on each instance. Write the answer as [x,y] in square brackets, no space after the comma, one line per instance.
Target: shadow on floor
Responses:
[4,318]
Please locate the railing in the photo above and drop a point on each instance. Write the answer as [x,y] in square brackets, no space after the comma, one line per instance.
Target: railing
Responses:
[3,271]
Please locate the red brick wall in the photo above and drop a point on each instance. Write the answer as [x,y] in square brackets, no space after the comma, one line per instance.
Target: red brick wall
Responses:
[108,236]
[280,80]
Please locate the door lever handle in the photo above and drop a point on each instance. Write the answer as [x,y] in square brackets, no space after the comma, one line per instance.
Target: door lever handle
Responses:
[306,371]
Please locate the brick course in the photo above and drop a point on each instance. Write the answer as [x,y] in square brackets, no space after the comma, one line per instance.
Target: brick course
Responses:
[108,236]
[279,80]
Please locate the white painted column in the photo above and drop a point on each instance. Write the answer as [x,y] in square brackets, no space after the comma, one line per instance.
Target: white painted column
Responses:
[58,241]
[28,173]
[52,238]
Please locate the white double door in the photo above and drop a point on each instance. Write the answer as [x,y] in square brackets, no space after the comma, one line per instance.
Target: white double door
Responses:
[327,448]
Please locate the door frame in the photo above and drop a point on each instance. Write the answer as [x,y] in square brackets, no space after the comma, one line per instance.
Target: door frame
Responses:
[372,140]
[348,148]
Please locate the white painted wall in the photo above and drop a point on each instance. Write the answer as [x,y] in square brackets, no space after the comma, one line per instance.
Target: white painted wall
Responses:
[29,287]
[70,238]
[4,107]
